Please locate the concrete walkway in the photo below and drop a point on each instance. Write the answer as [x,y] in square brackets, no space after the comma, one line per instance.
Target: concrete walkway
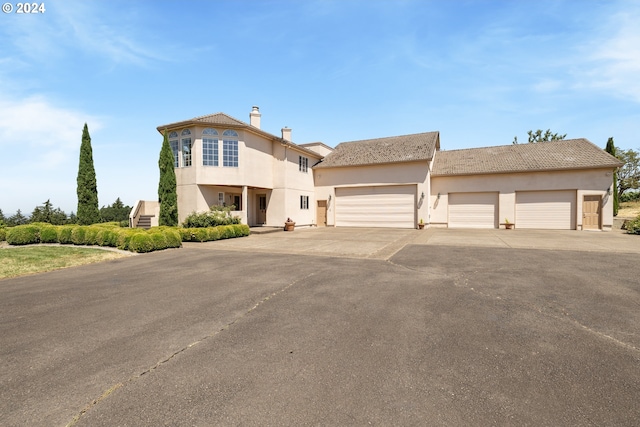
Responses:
[382,243]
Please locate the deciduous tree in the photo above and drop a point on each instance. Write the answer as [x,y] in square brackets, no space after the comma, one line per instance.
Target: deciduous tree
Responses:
[629,173]
[539,136]
[87,190]
[167,193]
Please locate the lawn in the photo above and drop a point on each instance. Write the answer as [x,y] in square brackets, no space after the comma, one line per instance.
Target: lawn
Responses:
[25,260]
[629,209]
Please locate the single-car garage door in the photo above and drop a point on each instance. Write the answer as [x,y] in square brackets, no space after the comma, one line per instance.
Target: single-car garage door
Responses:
[473,210]
[384,206]
[551,210]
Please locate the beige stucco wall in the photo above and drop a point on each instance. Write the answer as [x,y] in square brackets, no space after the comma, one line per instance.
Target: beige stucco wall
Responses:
[585,182]
[264,167]
[328,179]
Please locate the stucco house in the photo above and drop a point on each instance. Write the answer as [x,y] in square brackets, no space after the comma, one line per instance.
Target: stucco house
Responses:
[386,182]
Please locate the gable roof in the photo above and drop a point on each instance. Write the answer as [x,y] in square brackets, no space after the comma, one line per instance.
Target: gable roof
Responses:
[225,120]
[394,149]
[553,155]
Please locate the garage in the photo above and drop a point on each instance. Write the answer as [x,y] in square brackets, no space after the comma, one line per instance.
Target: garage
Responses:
[377,206]
[473,210]
[551,210]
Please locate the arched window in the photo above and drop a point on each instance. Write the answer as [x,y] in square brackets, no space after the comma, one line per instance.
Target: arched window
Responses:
[230,148]
[173,142]
[186,147]
[209,147]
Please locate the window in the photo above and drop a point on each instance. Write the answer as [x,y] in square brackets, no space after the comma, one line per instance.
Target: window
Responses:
[173,142]
[303,164]
[304,202]
[230,148]
[220,199]
[210,147]
[186,152]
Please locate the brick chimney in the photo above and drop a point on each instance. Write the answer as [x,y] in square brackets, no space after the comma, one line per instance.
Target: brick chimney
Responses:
[254,117]
[286,133]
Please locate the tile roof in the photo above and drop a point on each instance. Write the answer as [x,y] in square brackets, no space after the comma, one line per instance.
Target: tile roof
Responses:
[222,119]
[395,149]
[554,155]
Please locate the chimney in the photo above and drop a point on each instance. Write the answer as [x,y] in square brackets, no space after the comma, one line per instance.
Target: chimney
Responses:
[286,133]
[254,117]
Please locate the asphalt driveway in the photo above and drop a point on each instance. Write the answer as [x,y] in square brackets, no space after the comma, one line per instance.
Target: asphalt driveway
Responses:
[428,333]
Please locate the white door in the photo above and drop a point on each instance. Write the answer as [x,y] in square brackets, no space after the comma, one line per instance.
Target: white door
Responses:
[384,206]
[551,210]
[473,210]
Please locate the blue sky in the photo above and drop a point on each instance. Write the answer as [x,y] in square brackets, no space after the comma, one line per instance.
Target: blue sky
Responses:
[480,72]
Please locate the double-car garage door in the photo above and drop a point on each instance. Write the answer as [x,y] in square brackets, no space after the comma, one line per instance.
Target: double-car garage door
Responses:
[551,210]
[376,206]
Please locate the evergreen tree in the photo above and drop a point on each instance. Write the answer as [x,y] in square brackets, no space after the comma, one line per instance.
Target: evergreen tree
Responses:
[43,213]
[3,220]
[17,219]
[117,212]
[611,149]
[87,190]
[167,195]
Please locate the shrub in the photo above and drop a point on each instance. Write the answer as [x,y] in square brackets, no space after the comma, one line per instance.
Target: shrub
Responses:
[141,243]
[217,215]
[78,235]
[23,235]
[159,240]
[48,233]
[173,238]
[3,234]
[124,223]
[107,237]
[214,233]
[125,235]
[64,234]
[241,230]
[227,232]
[633,226]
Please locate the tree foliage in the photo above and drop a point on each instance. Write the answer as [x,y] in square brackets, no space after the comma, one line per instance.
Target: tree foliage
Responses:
[117,212]
[629,173]
[17,219]
[611,149]
[540,136]
[87,190]
[46,213]
[167,194]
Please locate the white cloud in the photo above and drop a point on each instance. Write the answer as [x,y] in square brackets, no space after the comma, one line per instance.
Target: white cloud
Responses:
[614,58]
[40,143]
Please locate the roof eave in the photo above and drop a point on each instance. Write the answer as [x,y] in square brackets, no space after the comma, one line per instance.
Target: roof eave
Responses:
[528,171]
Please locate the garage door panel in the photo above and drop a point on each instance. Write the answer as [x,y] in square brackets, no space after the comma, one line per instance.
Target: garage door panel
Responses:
[550,210]
[473,210]
[385,206]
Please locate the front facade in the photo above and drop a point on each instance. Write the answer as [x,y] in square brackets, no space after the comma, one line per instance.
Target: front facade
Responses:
[394,182]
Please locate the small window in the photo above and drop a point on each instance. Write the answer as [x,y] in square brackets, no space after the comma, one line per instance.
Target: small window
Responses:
[186,152]
[173,134]
[186,132]
[220,199]
[303,164]
[304,202]
[174,149]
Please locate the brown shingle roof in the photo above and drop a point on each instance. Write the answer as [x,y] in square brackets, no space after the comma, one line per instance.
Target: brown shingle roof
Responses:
[553,155]
[405,148]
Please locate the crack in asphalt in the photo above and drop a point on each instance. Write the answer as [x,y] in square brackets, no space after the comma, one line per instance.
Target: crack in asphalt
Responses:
[133,378]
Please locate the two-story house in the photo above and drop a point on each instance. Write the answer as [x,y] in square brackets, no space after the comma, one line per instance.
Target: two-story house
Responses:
[395,181]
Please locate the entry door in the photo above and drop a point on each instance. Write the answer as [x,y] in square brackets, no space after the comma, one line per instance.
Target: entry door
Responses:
[591,213]
[321,213]
[261,214]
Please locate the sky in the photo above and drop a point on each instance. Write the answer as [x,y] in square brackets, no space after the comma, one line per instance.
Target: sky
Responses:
[480,72]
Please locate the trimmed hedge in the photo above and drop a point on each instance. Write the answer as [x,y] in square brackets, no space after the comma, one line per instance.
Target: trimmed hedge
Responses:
[110,234]
[214,233]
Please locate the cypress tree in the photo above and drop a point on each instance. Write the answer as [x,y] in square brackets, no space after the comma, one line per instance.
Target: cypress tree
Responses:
[88,211]
[167,195]
[611,149]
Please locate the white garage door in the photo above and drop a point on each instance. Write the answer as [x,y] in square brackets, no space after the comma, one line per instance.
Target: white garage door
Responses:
[473,210]
[551,210]
[388,206]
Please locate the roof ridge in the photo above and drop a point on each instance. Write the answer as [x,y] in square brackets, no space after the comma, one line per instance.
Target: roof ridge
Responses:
[390,137]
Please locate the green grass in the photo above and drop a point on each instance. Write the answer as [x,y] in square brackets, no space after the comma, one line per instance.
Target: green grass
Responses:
[20,261]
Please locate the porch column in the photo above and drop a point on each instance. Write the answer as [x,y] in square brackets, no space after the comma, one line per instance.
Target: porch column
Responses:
[245,206]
